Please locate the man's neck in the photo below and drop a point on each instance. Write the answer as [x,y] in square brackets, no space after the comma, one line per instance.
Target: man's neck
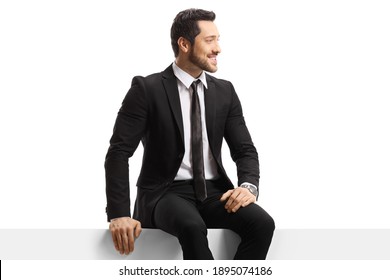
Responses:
[189,68]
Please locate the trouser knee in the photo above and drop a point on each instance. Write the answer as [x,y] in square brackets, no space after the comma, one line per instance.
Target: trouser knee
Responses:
[269,225]
[260,226]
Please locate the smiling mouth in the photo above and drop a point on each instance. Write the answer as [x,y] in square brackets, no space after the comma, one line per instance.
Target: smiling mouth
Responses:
[213,60]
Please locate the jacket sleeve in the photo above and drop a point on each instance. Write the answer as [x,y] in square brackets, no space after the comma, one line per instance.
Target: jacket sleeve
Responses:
[128,131]
[242,149]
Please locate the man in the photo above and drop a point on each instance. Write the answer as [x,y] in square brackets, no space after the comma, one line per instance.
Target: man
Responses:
[182,115]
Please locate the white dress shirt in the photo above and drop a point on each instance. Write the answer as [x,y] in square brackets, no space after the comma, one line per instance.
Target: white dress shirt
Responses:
[184,81]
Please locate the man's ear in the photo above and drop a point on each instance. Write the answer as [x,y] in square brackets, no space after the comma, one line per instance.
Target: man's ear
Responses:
[184,44]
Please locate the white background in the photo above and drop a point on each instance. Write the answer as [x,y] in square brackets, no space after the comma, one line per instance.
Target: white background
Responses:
[313,78]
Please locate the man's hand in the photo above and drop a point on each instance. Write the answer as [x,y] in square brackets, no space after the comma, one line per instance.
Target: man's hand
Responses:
[237,198]
[124,230]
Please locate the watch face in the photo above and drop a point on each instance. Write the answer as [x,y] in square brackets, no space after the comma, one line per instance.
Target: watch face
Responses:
[252,189]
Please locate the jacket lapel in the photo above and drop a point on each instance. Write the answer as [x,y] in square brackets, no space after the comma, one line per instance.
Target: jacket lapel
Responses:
[170,85]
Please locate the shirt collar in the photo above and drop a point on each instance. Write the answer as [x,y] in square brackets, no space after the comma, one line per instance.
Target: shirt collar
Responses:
[186,78]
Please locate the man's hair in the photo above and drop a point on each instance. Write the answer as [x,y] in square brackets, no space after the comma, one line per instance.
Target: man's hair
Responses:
[185,25]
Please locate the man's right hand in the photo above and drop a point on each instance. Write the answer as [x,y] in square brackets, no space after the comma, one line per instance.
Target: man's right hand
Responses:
[124,230]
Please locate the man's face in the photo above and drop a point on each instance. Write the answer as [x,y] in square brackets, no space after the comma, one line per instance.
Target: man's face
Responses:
[203,53]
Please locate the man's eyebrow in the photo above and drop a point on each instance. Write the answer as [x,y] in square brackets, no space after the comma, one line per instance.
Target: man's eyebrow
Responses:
[212,37]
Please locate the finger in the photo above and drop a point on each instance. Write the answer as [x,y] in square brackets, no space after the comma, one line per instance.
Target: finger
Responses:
[125,242]
[250,200]
[138,230]
[243,200]
[120,242]
[130,237]
[226,195]
[231,199]
[240,198]
[114,235]
[114,239]
[236,203]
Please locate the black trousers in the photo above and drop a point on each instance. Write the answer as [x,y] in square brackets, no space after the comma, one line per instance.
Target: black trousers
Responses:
[180,214]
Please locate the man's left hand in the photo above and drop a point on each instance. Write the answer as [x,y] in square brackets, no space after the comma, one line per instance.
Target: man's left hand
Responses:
[237,198]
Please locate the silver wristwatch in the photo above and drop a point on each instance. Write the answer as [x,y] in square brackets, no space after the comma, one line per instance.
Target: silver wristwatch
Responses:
[251,188]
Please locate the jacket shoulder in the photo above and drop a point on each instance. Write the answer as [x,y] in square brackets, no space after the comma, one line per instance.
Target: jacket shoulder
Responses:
[218,81]
[154,78]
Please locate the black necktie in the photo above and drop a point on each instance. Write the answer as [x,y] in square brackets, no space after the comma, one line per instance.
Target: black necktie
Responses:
[197,145]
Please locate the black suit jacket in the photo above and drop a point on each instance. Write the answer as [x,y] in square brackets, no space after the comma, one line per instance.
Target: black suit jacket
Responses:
[151,113]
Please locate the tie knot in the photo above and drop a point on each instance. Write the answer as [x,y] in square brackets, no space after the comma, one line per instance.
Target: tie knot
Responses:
[195,84]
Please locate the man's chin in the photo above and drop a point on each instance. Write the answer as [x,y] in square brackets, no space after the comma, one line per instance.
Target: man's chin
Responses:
[212,69]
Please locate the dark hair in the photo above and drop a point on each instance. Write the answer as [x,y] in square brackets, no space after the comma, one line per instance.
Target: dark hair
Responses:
[185,25]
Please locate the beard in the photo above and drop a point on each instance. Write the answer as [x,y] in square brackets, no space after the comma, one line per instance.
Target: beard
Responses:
[201,62]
